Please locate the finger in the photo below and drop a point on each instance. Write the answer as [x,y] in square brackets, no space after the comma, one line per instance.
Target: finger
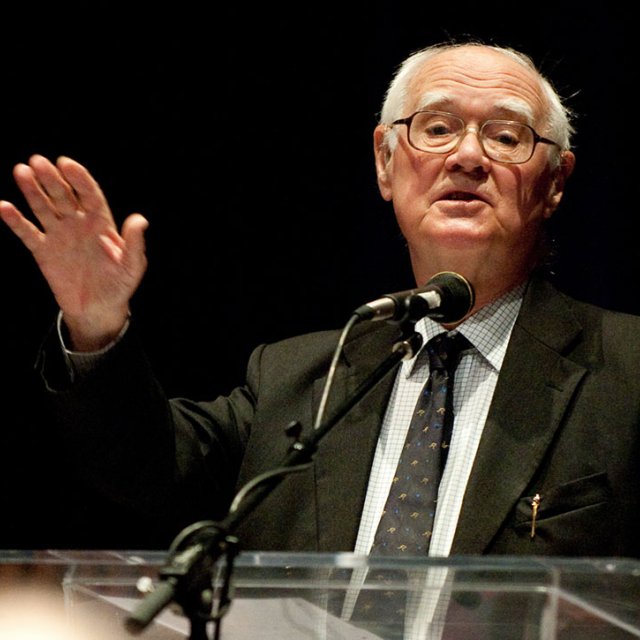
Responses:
[59,191]
[30,235]
[34,194]
[87,189]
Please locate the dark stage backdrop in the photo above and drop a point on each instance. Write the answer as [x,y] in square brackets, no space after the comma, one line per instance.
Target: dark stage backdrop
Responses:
[245,138]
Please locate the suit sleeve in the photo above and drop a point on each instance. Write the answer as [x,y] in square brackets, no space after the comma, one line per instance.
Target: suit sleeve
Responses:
[176,459]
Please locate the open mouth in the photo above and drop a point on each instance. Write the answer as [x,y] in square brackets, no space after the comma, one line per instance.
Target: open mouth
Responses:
[464,196]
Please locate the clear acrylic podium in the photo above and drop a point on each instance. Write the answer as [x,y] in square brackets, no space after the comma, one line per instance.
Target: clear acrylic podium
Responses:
[314,596]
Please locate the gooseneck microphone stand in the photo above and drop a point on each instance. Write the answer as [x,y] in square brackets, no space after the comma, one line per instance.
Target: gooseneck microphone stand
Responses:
[186,579]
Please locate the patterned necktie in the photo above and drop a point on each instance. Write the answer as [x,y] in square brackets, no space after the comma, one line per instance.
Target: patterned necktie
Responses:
[407,520]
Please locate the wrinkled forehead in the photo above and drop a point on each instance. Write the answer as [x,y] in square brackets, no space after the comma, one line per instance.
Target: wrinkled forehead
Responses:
[480,82]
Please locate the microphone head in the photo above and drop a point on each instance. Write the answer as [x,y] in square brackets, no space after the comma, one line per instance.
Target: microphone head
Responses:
[457,298]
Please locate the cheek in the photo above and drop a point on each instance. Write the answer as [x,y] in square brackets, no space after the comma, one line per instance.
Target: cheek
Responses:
[525,196]
[412,178]
[538,197]
[410,203]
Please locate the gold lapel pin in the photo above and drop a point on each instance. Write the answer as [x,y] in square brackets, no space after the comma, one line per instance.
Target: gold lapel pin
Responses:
[535,504]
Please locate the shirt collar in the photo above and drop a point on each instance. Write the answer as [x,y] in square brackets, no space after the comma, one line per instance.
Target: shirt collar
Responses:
[488,330]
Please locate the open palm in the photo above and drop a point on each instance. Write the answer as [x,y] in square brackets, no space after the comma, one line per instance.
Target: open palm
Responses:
[91,268]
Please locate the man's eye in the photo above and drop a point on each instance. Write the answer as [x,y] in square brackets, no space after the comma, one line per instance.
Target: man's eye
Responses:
[506,139]
[505,135]
[437,130]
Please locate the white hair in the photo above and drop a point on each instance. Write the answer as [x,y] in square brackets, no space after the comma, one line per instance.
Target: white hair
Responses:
[558,118]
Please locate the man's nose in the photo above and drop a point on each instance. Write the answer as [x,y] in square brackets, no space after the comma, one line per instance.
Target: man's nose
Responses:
[469,154]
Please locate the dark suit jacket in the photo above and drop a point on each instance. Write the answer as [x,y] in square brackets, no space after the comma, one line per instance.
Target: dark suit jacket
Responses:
[564,423]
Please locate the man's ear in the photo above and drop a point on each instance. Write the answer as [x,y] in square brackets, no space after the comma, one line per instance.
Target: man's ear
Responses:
[382,155]
[559,180]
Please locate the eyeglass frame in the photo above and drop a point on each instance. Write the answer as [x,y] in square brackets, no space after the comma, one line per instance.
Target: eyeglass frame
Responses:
[536,136]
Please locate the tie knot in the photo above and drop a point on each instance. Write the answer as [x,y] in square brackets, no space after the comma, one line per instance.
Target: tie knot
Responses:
[444,351]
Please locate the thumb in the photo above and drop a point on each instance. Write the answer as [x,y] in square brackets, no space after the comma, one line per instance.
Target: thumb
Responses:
[133,230]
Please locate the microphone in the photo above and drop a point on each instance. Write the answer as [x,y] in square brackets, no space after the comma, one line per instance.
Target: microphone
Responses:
[447,297]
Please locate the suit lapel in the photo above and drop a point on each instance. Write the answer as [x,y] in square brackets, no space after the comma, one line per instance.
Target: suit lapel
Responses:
[535,387]
[344,457]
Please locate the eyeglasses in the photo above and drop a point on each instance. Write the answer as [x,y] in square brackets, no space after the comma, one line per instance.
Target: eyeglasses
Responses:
[501,140]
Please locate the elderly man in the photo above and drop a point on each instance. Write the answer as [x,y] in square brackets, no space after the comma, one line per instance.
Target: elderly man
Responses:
[473,152]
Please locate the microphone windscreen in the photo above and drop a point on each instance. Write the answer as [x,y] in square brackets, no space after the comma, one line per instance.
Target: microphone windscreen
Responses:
[457,297]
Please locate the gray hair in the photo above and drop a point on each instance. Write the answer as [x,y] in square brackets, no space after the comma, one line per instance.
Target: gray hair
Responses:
[558,118]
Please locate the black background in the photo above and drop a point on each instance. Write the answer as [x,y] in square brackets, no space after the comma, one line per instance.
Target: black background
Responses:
[244,136]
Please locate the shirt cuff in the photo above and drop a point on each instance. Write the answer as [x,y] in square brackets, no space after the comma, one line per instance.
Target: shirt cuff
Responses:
[80,363]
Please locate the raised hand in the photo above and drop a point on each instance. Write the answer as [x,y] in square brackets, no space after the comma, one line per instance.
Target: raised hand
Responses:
[92,269]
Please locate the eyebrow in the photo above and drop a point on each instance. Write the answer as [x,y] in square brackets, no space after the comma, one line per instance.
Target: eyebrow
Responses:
[517,107]
[507,107]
